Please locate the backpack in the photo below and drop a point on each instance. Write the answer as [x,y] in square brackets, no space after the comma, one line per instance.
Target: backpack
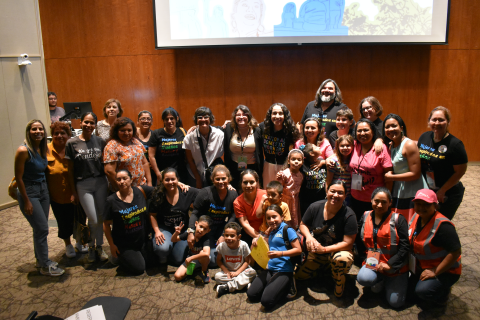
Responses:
[299,259]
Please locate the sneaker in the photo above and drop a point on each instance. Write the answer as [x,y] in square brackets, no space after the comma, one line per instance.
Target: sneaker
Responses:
[205,277]
[70,251]
[52,270]
[221,290]
[293,289]
[91,254]
[102,254]
[81,248]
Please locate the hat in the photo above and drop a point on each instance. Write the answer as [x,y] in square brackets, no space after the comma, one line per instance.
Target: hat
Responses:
[426,195]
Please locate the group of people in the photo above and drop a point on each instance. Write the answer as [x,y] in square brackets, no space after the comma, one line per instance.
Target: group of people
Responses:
[328,186]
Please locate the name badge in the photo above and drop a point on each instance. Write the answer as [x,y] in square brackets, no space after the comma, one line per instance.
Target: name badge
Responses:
[412,262]
[356,181]
[242,162]
[373,258]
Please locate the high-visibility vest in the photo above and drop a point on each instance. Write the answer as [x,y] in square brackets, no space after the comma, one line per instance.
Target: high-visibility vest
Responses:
[387,238]
[428,255]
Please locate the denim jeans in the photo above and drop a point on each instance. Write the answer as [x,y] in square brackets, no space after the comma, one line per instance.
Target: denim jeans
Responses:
[92,194]
[175,251]
[215,233]
[395,287]
[37,193]
[433,289]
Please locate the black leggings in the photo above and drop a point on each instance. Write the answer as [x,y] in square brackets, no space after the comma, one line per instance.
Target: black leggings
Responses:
[270,287]
[133,261]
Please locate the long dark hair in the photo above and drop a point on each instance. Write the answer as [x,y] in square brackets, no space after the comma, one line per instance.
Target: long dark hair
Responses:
[321,131]
[170,111]
[288,123]
[252,122]
[158,194]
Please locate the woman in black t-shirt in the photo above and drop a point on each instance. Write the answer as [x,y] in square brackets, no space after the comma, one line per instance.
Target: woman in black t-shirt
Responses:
[165,146]
[216,202]
[279,133]
[126,211]
[444,161]
[144,134]
[168,209]
[334,228]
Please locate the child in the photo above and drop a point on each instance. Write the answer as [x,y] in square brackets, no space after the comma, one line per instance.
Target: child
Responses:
[200,254]
[291,179]
[344,124]
[338,168]
[276,282]
[273,196]
[233,258]
[314,171]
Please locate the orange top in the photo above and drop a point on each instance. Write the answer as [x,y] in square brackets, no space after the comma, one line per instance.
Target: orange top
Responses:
[57,176]
[243,209]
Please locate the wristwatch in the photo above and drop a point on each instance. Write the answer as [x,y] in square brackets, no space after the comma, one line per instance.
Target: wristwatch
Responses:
[190,230]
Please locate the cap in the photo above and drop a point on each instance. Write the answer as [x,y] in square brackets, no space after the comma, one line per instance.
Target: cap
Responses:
[426,195]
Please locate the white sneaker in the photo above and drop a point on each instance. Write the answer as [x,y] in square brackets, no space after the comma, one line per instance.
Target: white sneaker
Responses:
[102,254]
[70,251]
[52,270]
[81,248]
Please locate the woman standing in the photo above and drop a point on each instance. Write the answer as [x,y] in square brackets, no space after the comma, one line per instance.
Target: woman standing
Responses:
[111,111]
[32,194]
[217,202]
[368,169]
[126,212]
[279,134]
[144,134]
[385,233]
[87,180]
[243,144]
[329,228]
[165,146]
[371,109]
[61,195]
[246,205]
[444,161]
[436,249]
[169,208]
[125,151]
[203,147]
[406,175]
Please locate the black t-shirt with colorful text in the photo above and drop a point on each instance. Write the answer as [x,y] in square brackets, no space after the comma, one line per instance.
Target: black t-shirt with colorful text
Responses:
[276,145]
[169,151]
[208,203]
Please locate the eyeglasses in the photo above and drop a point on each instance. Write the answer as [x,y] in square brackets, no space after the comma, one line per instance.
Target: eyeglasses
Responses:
[203,117]
[367,108]
[145,119]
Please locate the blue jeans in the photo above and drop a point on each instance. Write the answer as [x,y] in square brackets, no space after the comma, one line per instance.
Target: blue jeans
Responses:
[395,287]
[37,193]
[176,252]
[215,233]
[433,289]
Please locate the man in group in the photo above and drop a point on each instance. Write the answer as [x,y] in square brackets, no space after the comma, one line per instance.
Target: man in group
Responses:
[55,112]
[328,101]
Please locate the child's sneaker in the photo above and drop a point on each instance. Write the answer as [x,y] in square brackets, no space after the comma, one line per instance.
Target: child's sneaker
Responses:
[70,251]
[52,270]
[81,248]
[205,277]
[102,254]
[221,290]
[293,289]
[91,254]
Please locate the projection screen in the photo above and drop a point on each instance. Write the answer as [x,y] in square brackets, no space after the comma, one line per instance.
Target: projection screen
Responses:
[194,23]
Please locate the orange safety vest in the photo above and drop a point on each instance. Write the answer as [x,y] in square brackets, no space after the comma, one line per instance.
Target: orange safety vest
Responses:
[428,255]
[387,238]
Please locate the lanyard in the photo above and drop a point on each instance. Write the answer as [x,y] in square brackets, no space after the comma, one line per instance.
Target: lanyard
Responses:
[360,162]
[244,141]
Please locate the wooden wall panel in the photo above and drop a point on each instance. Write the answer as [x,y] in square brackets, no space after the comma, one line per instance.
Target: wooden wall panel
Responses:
[96,50]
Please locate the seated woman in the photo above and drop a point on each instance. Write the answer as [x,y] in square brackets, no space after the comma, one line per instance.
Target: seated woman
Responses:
[246,205]
[125,151]
[334,228]
[275,283]
[125,223]
[385,233]
[216,202]
[436,250]
[169,208]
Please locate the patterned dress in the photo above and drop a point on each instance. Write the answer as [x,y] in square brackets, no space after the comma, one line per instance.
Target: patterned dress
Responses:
[291,189]
[127,157]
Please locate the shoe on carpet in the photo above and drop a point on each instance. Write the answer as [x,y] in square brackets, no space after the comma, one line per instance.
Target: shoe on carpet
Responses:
[81,248]
[52,270]
[102,254]
[221,290]
[70,251]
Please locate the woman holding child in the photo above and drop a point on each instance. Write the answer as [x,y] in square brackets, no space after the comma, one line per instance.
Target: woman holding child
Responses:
[217,202]
[334,228]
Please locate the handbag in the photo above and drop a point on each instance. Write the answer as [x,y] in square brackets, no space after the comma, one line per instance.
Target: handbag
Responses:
[12,189]
[80,228]
[208,169]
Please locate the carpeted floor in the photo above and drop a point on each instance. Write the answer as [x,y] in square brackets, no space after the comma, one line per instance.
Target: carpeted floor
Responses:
[155,295]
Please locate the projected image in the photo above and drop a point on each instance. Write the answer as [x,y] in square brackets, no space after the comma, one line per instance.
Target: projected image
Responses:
[203,19]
